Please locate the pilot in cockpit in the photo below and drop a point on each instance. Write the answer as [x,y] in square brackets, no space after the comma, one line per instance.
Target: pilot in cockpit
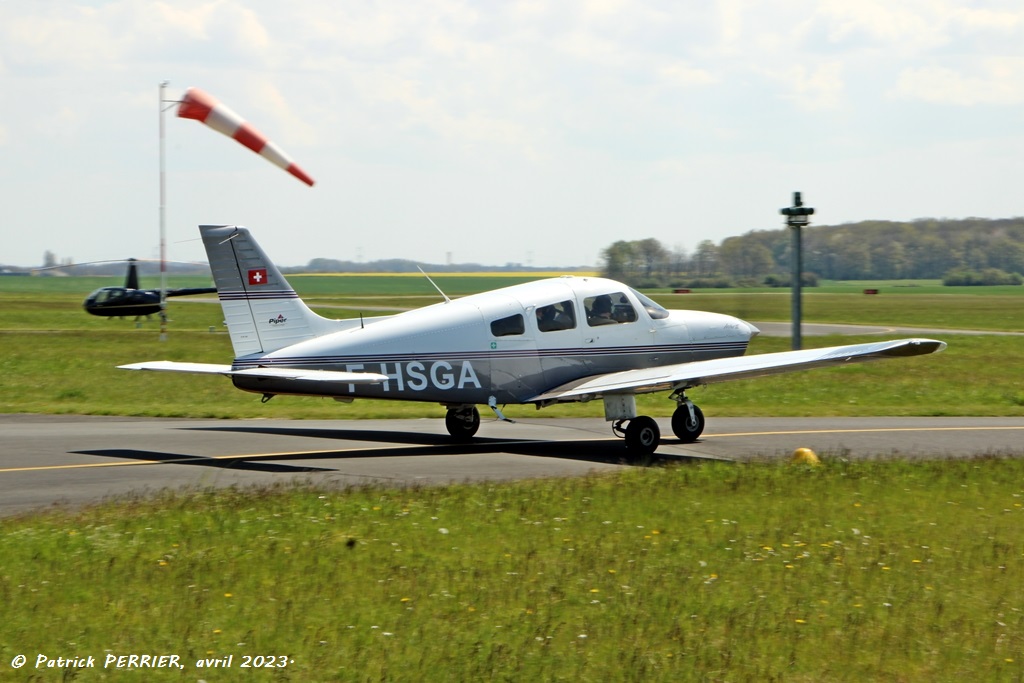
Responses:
[601,311]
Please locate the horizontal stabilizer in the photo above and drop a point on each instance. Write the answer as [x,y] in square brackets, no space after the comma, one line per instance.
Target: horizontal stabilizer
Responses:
[686,375]
[269,373]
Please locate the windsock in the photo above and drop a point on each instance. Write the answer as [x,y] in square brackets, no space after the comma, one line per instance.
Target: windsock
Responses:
[201,106]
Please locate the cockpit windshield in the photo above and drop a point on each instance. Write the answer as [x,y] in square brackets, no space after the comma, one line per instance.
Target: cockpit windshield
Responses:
[655,310]
[106,294]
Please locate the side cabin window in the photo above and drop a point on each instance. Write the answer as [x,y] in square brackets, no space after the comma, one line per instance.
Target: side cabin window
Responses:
[609,309]
[513,324]
[560,316]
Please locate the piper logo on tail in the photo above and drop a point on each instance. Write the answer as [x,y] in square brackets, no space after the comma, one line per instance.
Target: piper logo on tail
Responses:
[258,276]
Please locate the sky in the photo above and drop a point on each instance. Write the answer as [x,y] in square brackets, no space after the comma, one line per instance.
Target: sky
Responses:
[503,132]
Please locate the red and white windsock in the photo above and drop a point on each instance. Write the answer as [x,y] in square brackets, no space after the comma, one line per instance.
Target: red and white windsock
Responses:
[201,106]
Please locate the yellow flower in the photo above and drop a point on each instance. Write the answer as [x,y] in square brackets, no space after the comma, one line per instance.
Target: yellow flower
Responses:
[227,595]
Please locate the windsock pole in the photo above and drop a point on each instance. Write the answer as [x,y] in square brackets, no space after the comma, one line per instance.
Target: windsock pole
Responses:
[163,221]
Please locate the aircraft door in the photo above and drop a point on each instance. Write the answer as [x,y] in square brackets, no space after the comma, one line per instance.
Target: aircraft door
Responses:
[514,369]
[616,336]
[559,342]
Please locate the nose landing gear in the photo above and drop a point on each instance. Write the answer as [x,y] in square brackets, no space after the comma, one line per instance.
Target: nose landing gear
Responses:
[687,420]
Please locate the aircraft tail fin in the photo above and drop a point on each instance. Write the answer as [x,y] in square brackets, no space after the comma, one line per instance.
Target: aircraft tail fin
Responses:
[262,311]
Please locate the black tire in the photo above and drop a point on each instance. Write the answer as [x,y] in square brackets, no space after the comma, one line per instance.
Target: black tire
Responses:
[642,436]
[462,424]
[683,427]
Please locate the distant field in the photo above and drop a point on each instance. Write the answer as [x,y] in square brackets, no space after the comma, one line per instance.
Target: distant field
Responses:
[56,359]
[513,274]
[973,311]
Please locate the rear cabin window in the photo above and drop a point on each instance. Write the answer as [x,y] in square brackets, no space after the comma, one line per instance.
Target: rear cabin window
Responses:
[560,316]
[609,309]
[513,324]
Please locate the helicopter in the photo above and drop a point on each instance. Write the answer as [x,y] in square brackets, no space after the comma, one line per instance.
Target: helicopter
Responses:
[130,300]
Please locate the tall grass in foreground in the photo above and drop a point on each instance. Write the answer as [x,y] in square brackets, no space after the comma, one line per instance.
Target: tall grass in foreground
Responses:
[851,571]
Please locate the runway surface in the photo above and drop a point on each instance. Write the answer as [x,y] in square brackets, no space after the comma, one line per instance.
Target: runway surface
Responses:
[74,460]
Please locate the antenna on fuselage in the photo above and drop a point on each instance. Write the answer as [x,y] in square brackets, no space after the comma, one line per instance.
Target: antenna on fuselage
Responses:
[446,299]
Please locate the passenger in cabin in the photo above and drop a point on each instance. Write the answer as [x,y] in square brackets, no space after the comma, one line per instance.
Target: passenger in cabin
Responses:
[546,318]
[555,317]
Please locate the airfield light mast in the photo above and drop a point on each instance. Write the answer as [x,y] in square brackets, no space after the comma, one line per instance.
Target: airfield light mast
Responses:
[797,216]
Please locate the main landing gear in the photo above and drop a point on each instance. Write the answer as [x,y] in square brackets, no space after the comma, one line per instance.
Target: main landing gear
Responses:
[641,433]
[462,421]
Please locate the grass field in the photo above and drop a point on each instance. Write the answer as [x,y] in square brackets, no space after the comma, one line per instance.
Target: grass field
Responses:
[845,572]
[851,571]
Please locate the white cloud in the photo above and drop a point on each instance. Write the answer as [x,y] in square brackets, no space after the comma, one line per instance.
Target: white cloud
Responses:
[989,20]
[812,89]
[905,27]
[682,74]
[995,81]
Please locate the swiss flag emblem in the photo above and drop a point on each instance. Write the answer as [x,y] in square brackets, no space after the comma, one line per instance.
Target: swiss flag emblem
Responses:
[258,276]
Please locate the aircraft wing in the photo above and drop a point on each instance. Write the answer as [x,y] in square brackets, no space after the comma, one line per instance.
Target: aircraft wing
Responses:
[686,375]
[270,373]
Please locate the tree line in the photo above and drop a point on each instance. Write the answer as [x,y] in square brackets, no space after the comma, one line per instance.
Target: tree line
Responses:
[964,251]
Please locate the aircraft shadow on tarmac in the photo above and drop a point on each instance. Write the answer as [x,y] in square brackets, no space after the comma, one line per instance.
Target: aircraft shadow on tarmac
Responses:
[605,451]
[240,463]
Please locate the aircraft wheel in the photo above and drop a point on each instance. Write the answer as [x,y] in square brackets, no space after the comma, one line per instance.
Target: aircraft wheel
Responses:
[683,427]
[462,423]
[642,436]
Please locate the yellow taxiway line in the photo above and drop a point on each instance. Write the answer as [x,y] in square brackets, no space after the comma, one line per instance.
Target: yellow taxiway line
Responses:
[292,455]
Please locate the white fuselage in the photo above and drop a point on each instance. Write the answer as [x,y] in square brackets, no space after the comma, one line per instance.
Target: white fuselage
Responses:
[495,345]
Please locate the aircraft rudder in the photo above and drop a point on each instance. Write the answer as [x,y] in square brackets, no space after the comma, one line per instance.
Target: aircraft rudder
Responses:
[262,310]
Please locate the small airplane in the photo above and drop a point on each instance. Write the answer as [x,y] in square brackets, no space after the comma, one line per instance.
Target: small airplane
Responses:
[129,300]
[555,340]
